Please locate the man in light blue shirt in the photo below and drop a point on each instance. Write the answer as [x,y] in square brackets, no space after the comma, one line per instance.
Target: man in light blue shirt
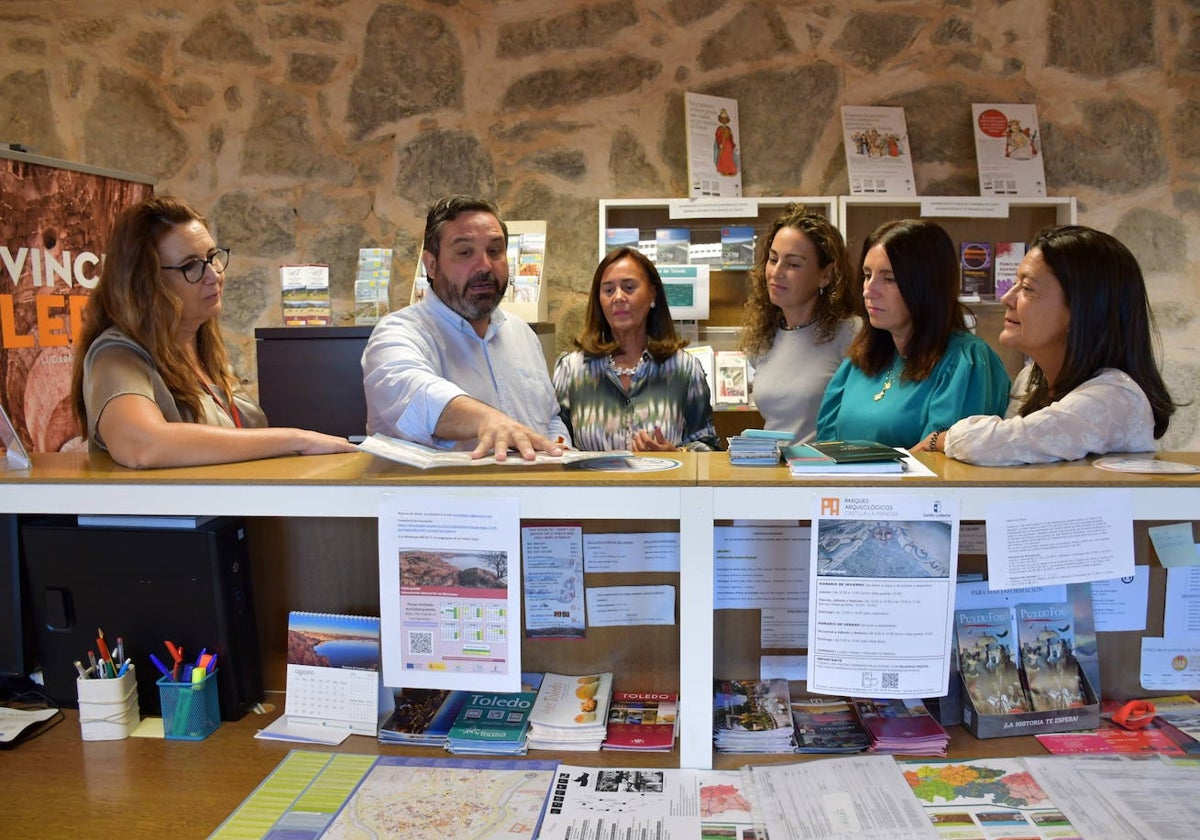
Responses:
[453,370]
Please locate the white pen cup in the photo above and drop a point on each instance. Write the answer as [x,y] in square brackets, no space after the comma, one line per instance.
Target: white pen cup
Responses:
[108,708]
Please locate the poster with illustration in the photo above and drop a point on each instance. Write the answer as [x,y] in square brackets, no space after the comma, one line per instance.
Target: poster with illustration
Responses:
[1008,149]
[713,146]
[878,157]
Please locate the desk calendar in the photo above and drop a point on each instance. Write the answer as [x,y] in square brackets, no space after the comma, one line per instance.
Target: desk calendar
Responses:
[333,672]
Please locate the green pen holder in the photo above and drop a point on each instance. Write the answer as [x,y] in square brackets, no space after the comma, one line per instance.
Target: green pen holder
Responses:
[191,711]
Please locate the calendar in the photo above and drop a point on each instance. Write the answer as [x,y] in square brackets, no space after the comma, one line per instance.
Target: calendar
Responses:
[333,672]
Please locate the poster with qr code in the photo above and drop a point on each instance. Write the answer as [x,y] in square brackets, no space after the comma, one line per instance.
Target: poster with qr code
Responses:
[881,594]
[449,593]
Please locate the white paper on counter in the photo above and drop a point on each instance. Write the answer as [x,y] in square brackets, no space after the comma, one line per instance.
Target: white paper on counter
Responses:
[620,606]
[1039,541]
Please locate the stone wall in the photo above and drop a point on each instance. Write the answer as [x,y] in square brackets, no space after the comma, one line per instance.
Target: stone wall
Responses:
[306,129]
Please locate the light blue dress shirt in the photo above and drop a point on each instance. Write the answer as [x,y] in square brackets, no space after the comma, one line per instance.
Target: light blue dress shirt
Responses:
[420,358]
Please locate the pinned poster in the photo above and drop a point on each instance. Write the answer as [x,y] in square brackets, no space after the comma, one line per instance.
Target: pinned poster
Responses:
[878,156]
[714,149]
[1008,150]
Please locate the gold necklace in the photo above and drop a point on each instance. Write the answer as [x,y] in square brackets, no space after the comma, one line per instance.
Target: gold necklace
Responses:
[887,382]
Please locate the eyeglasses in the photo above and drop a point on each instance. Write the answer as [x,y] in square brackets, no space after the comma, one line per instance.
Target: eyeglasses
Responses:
[193,270]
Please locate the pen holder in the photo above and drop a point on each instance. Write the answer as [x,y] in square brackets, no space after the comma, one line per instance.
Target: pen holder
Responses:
[108,709]
[191,710]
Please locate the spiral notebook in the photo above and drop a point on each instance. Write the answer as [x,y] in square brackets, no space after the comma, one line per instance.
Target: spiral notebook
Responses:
[333,673]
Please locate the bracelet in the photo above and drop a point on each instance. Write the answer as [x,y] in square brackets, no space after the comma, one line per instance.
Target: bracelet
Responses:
[931,445]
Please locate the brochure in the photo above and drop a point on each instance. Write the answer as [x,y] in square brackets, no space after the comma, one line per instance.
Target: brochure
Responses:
[426,457]
[642,721]
[713,146]
[878,158]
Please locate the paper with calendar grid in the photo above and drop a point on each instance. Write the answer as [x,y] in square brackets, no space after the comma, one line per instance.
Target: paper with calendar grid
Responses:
[449,592]
[333,672]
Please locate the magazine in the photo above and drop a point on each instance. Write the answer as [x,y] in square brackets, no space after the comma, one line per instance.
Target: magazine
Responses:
[828,725]
[988,660]
[426,457]
[1046,633]
[422,717]
[753,716]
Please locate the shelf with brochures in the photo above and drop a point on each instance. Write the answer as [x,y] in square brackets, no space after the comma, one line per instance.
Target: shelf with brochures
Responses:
[335,499]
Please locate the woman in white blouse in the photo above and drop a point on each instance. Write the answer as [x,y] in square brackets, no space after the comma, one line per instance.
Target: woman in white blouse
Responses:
[1080,313]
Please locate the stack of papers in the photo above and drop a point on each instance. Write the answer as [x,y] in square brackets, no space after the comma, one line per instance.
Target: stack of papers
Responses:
[422,717]
[747,450]
[901,727]
[753,716]
[492,723]
[571,713]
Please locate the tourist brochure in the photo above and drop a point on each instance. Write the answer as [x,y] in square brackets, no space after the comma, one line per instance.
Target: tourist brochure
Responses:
[1004,267]
[642,721]
[855,451]
[901,727]
[426,457]
[422,717]
[492,723]
[1046,634]
[745,451]
[988,660]
[753,716]
[570,712]
[305,295]
[620,802]
[828,725]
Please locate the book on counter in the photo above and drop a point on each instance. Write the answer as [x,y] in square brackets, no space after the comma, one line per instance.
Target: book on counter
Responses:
[828,725]
[491,723]
[422,717]
[426,457]
[753,716]
[901,727]
[848,456]
[570,712]
[641,721]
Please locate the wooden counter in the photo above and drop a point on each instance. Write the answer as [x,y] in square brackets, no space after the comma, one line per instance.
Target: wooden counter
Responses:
[312,525]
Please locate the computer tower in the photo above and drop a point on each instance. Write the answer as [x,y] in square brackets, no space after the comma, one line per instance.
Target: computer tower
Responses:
[145,585]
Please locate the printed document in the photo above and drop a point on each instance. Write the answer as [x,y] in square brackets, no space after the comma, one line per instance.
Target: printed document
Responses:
[553,580]
[881,595]
[760,566]
[1085,537]
[449,592]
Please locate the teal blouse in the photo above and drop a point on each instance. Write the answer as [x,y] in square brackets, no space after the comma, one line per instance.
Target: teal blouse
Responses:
[969,379]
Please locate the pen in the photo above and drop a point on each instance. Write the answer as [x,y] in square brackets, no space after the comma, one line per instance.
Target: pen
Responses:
[79,668]
[92,658]
[124,667]
[120,649]
[105,656]
[160,666]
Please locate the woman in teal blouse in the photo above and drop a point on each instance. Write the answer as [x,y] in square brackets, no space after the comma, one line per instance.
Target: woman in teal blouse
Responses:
[913,369]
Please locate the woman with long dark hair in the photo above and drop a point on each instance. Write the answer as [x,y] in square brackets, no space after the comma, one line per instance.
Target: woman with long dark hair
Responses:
[913,369]
[631,385]
[1080,312]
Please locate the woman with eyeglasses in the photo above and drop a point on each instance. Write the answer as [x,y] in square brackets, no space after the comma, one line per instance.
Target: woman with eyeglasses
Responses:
[152,383]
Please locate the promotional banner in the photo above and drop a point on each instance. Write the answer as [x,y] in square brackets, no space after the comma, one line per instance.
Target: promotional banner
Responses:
[54,219]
